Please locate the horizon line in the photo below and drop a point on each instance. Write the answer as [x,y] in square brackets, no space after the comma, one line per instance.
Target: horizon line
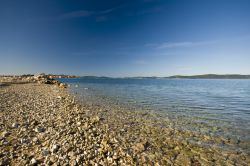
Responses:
[187,75]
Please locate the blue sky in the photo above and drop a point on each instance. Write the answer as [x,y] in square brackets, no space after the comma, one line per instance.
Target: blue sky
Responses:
[125,38]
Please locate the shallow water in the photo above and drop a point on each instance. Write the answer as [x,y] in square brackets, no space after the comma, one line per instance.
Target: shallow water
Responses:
[214,107]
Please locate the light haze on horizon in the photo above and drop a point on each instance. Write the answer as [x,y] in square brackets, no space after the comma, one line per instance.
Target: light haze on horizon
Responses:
[123,38]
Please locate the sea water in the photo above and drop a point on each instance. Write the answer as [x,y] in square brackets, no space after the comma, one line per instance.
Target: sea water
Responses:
[219,107]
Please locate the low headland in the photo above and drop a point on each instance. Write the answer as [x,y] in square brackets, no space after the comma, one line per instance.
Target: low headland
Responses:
[212,76]
[203,76]
[43,124]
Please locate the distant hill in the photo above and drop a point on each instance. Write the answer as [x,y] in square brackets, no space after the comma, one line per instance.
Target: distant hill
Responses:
[205,76]
[95,77]
[212,76]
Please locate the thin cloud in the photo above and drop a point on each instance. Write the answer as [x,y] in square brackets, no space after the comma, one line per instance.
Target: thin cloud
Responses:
[179,44]
[83,13]
[107,11]
[100,15]
[194,44]
[144,12]
[75,14]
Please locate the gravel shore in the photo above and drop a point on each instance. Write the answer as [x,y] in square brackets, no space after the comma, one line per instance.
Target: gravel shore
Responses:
[41,124]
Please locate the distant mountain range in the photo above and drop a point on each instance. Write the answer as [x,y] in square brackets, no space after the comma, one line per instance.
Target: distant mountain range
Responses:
[212,76]
[204,76]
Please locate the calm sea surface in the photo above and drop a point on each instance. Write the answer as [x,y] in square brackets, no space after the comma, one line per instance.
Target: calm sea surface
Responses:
[215,107]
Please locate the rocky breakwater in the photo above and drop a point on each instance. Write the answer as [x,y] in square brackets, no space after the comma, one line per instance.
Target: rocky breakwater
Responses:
[42,124]
[39,78]
[47,79]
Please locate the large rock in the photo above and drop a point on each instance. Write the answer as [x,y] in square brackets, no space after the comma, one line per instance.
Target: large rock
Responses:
[48,79]
[40,76]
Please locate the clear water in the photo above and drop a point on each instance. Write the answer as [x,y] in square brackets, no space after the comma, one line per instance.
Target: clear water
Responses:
[215,107]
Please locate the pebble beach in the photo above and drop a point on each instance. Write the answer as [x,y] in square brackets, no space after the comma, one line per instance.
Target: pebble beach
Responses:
[43,124]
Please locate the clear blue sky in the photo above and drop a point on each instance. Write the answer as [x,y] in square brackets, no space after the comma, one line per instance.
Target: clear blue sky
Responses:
[125,38]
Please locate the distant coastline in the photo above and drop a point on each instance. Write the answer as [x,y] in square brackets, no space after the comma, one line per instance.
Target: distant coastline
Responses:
[202,76]
[212,76]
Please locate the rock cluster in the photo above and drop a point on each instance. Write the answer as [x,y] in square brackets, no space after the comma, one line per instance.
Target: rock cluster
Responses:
[43,125]
[46,79]
[39,78]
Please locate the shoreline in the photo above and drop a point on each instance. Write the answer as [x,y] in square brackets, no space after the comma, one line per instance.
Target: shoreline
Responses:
[43,123]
